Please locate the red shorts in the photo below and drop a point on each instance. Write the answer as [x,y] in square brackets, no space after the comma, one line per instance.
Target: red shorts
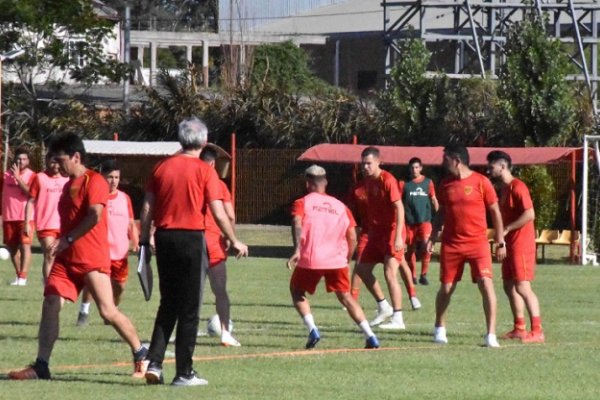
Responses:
[119,270]
[13,233]
[418,233]
[379,246]
[44,233]
[453,259]
[215,246]
[306,279]
[67,282]
[518,265]
[362,243]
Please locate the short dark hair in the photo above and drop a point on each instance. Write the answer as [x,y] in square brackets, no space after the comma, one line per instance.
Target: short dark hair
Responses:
[458,152]
[108,166]
[415,160]
[497,155]
[370,151]
[22,150]
[208,154]
[68,143]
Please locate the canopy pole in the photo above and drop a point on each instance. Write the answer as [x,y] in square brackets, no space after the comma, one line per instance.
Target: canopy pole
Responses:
[355,168]
[233,169]
[573,200]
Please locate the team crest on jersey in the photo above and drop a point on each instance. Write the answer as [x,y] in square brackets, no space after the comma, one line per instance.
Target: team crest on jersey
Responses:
[468,190]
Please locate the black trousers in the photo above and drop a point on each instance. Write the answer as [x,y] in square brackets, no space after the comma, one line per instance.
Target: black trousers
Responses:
[182,265]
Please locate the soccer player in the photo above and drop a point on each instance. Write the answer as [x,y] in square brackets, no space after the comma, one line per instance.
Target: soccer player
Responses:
[81,258]
[464,197]
[176,193]
[358,203]
[216,247]
[418,197]
[385,242]
[15,192]
[518,268]
[324,241]
[44,195]
[121,231]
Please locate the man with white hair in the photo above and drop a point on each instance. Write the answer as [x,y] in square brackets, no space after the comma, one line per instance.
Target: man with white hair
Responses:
[176,193]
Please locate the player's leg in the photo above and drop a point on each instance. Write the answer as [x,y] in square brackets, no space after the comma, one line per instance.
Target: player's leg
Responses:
[523,288]
[411,254]
[217,276]
[488,295]
[119,273]
[84,308]
[355,280]
[305,280]
[25,250]
[358,316]
[384,309]
[517,306]
[45,243]
[451,270]
[118,287]
[423,236]
[409,284]
[390,268]
[99,285]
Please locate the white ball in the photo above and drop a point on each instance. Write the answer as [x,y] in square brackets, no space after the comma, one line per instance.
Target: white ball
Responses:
[4,253]
[213,326]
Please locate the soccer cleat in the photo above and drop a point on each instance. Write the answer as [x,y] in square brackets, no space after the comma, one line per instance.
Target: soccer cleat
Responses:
[154,375]
[372,343]
[534,337]
[33,371]
[439,335]
[415,303]
[397,325]
[313,338]
[82,319]
[228,340]
[491,341]
[383,313]
[190,380]
[514,334]
[423,280]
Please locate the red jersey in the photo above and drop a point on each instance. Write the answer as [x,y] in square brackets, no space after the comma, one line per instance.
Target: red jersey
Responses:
[181,186]
[514,201]
[90,250]
[382,193]
[465,203]
[357,202]
[209,219]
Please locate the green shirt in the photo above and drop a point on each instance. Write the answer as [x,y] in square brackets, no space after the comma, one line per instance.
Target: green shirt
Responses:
[417,203]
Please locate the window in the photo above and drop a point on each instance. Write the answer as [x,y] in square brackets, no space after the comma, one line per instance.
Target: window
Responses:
[77,53]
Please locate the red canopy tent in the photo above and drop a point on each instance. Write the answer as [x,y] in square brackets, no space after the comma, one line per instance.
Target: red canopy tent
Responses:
[399,155]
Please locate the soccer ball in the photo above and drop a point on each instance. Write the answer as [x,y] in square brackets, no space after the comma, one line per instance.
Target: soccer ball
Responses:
[213,327]
[4,253]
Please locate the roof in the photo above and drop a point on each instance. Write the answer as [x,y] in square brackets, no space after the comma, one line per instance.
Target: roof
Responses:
[399,155]
[128,148]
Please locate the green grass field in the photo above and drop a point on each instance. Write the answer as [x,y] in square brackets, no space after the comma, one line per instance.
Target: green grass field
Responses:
[92,362]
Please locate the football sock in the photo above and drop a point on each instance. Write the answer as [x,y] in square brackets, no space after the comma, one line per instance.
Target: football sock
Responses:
[366,329]
[412,292]
[140,353]
[84,308]
[397,315]
[536,324]
[383,303]
[425,263]
[309,321]
[520,324]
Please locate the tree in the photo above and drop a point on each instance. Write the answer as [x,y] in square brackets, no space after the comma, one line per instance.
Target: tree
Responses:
[536,99]
[61,39]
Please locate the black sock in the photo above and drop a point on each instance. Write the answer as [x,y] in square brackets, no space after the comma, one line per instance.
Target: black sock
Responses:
[140,353]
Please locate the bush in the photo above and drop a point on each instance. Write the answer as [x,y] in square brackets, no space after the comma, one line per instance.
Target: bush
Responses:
[543,193]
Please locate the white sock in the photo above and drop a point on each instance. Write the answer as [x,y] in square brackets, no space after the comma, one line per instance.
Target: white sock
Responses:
[84,308]
[366,328]
[309,321]
[383,304]
[397,316]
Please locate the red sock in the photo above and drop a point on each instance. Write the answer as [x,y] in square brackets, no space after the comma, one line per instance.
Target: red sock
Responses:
[412,292]
[425,263]
[355,292]
[520,324]
[536,324]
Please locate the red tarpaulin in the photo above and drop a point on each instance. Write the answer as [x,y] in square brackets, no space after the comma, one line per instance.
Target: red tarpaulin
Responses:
[399,155]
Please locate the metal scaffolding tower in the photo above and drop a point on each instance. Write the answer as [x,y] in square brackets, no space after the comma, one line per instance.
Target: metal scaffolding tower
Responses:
[476,31]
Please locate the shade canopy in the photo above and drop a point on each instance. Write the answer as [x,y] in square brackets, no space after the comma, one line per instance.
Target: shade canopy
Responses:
[399,155]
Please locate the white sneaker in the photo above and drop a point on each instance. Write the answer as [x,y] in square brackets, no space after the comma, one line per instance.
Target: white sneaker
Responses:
[439,335]
[394,324]
[190,380]
[491,341]
[228,340]
[15,282]
[415,303]
[22,282]
[383,313]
